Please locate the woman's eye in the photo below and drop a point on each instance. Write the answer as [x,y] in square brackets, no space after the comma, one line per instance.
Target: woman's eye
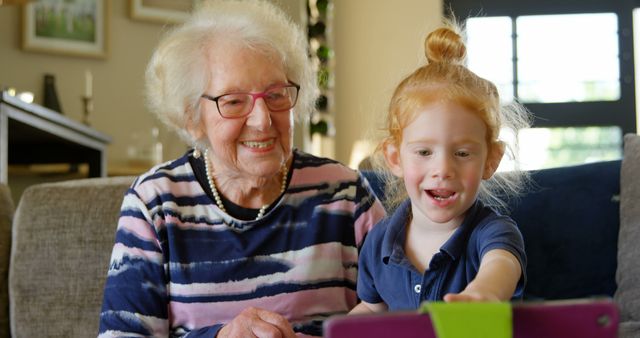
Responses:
[275,96]
[462,153]
[232,101]
[424,152]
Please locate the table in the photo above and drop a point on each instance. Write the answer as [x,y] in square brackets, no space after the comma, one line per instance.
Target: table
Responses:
[32,134]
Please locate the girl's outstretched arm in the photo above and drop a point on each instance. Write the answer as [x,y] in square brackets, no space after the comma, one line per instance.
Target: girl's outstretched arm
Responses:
[496,281]
[366,308]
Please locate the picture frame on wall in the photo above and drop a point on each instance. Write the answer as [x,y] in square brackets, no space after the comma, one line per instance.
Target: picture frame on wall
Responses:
[161,11]
[66,27]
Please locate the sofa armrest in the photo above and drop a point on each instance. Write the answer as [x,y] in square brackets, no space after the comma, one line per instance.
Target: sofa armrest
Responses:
[6,216]
[62,238]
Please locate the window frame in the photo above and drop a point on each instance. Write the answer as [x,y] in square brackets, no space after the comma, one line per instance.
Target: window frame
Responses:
[570,114]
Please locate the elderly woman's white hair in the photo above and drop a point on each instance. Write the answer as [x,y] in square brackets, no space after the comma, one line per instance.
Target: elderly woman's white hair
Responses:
[178,73]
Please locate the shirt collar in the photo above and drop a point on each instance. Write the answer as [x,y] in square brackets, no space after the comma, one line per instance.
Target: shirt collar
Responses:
[394,237]
[457,243]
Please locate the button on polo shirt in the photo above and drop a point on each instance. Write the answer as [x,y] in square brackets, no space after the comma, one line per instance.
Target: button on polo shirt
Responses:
[385,273]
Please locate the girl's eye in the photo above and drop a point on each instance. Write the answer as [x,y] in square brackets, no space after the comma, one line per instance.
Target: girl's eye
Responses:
[462,153]
[424,152]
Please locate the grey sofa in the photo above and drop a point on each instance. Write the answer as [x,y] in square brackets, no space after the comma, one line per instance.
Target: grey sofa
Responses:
[61,236]
[6,216]
[60,246]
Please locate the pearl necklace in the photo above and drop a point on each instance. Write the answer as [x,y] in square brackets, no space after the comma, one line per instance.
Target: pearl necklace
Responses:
[216,195]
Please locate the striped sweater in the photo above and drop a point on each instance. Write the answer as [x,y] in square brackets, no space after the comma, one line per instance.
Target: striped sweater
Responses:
[182,267]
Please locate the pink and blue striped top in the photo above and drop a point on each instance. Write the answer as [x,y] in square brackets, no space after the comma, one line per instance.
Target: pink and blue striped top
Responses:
[181,267]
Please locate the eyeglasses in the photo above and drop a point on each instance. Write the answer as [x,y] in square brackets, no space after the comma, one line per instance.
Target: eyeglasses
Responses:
[236,105]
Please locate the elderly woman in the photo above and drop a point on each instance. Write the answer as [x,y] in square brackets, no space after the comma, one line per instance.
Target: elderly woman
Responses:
[243,235]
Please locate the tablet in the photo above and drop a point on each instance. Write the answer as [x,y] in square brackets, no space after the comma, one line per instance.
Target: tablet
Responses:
[579,318]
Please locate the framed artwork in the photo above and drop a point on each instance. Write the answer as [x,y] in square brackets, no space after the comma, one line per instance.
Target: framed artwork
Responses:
[161,11]
[70,27]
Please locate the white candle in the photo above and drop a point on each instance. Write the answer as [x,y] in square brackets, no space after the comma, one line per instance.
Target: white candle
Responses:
[88,83]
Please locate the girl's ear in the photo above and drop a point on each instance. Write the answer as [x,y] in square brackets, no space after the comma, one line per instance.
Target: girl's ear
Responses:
[392,158]
[493,159]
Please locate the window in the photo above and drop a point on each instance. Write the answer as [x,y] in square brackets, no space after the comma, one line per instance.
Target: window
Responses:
[559,58]
[568,58]
[570,64]
[490,52]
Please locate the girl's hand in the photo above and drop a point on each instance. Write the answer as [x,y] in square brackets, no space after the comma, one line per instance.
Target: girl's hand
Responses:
[470,296]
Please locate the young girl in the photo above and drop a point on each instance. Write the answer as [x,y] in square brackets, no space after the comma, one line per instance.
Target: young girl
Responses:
[444,242]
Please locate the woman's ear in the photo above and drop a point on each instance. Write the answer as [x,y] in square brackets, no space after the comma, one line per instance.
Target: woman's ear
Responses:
[493,159]
[195,128]
[392,158]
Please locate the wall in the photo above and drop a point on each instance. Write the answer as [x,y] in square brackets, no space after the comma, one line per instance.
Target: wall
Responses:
[118,79]
[376,43]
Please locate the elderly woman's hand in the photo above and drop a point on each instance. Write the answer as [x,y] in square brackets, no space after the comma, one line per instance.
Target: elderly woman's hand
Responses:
[255,322]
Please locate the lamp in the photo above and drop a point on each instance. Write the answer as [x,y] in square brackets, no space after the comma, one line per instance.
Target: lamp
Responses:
[361,149]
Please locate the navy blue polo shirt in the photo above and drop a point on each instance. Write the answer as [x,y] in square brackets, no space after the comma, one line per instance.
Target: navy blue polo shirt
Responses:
[386,274]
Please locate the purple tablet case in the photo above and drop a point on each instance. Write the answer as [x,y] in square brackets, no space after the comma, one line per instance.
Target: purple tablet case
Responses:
[582,318]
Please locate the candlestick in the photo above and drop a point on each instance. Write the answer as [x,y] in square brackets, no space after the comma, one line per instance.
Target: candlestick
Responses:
[88,83]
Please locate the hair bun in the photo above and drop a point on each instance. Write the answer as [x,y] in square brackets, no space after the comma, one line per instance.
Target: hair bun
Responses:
[445,45]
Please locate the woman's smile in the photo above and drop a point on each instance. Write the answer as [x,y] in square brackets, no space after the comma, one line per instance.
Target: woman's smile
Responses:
[259,144]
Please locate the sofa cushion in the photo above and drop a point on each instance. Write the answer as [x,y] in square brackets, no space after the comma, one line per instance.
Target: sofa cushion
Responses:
[62,240]
[6,215]
[629,329]
[628,276]
[569,220]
